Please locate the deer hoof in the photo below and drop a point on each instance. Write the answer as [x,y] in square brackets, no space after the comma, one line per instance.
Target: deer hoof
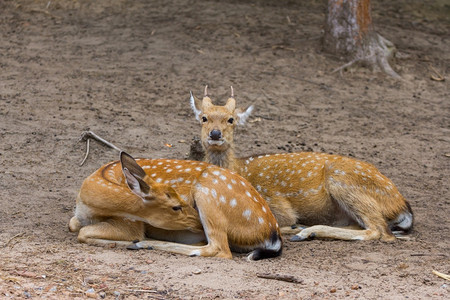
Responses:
[298,238]
[134,246]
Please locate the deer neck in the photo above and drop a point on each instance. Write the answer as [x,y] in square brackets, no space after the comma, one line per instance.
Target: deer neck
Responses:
[225,159]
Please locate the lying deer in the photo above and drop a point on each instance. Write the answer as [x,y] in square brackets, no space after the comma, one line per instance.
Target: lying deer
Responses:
[179,201]
[344,198]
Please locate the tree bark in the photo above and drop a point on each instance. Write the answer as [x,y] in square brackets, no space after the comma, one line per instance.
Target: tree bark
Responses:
[349,33]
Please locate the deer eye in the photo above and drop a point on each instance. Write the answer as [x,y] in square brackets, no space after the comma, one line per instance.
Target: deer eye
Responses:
[176,208]
[231,120]
[204,119]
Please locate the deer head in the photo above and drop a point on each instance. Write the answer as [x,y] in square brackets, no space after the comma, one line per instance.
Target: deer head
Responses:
[161,207]
[218,122]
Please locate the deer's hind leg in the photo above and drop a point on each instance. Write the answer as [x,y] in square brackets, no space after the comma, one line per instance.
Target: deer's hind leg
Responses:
[359,208]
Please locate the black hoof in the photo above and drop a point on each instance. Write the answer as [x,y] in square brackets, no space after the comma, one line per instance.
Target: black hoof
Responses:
[297,238]
[133,246]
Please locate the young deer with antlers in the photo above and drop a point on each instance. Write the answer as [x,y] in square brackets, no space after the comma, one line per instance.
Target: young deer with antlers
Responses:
[178,201]
[343,198]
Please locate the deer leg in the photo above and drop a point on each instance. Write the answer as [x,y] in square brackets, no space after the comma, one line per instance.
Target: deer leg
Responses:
[212,249]
[74,224]
[329,232]
[372,232]
[359,207]
[112,230]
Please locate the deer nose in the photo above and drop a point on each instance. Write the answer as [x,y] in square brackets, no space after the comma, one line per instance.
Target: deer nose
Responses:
[215,135]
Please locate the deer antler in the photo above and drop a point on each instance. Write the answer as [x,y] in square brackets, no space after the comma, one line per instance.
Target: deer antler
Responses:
[206,90]
[232,92]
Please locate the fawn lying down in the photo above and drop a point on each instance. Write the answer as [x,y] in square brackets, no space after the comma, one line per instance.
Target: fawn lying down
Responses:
[177,202]
[327,191]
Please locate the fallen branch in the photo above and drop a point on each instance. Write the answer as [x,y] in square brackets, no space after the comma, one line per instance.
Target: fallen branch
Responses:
[142,291]
[287,278]
[442,275]
[85,136]
[350,63]
[428,254]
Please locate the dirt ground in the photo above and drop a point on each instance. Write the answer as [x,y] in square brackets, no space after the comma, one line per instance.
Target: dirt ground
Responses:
[124,69]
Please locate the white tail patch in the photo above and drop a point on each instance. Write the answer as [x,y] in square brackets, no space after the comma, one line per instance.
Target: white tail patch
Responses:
[404,221]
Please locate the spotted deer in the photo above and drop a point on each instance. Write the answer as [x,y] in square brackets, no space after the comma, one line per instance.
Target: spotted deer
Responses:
[180,202]
[341,197]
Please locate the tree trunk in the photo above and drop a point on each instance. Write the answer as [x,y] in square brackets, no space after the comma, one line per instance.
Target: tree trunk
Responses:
[349,33]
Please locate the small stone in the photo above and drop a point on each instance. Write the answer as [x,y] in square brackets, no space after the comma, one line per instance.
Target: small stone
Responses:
[91,295]
[197,271]
[333,290]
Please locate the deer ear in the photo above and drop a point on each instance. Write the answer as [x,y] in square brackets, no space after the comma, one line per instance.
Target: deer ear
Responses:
[134,176]
[243,115]
[136,184]
[194,104]
[206,103]
[127,161]
[231,105]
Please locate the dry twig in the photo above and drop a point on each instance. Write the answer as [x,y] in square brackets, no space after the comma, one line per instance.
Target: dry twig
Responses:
[85,136]
[439,76]
[442,275]
[287,278]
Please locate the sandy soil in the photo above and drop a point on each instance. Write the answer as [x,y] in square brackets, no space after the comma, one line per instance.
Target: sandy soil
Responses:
[124,70]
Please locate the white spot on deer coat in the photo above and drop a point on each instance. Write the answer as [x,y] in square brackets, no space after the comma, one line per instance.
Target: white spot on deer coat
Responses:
[247,213]
[233,202]
[203,189]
